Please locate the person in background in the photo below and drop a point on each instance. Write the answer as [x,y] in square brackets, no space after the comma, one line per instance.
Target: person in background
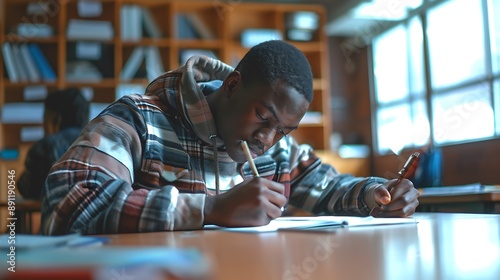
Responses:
[172,159]
[66,112]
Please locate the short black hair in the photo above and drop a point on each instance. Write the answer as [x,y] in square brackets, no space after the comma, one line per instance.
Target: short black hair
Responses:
[277,60]
[70,105]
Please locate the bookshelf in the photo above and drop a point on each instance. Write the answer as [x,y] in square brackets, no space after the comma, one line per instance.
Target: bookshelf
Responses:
[222,24]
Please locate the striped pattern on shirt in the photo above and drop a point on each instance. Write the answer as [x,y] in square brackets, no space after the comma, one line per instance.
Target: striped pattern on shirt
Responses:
[144,164]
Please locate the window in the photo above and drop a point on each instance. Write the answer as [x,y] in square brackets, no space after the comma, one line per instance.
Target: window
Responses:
[455,44]
[494,24]
[400,87]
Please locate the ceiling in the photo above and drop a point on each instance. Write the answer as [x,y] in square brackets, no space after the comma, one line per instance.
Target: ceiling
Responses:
[349,18]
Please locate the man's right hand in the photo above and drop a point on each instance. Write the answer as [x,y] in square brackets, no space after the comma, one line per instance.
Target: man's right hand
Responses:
[254,202]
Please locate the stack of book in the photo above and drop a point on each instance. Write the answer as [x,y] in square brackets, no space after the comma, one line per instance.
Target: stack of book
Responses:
[26,63]
[132,20]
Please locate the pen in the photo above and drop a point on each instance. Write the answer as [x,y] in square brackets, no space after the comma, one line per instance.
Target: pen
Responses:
[404,171]
[244,145]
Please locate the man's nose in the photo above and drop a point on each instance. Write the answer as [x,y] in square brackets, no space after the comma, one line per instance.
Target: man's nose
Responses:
[266,136]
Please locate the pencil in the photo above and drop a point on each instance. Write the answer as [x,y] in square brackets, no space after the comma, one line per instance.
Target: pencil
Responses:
[244,145]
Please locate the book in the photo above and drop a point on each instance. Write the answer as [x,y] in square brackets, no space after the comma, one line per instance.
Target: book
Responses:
[9,154]
[35,93]
[22,113]
[131,22]
[89,29]
[154,64]
[253,36]
[184,28]
[150,25]
[124,22]
[32,71]
[42,64]
[133,63]
[201,27]
[9,62]
[89,8]
[34,30]
[21,70]
[31,133]
[135,20]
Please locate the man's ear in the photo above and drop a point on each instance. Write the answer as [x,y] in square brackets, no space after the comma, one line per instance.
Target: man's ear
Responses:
[231,82]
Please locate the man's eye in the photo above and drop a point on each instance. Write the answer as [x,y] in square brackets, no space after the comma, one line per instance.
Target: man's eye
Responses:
[262,118]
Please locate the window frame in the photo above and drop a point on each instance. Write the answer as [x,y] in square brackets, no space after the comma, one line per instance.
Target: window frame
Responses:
[488,78]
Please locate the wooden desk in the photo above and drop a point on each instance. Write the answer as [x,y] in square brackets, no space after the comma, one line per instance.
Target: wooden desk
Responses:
[440,246]
[469,198]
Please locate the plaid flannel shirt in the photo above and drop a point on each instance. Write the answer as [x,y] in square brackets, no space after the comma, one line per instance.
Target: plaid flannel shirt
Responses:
[146,164]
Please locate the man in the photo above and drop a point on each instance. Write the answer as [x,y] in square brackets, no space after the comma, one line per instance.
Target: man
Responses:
[66,112]
[155,162]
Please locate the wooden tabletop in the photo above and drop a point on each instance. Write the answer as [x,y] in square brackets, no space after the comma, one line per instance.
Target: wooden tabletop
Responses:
[439,246]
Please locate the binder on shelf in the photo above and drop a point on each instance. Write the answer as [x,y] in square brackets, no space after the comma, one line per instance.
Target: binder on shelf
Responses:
[35,93]
[41,62]
[133,63]
[184,28]
[31,133]
[22,113]
[253,36]
[135,15]
[154,65]
[150,25]
[201,27]
[131,22]
[124,22]
[34,30]
[8,59]
[33,73]
[22,71]
[89,29]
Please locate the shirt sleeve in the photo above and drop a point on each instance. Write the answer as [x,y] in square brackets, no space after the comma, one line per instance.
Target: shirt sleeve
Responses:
[318,188]
[91,188]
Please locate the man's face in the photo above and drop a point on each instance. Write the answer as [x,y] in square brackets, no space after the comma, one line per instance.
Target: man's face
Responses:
[260,115]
